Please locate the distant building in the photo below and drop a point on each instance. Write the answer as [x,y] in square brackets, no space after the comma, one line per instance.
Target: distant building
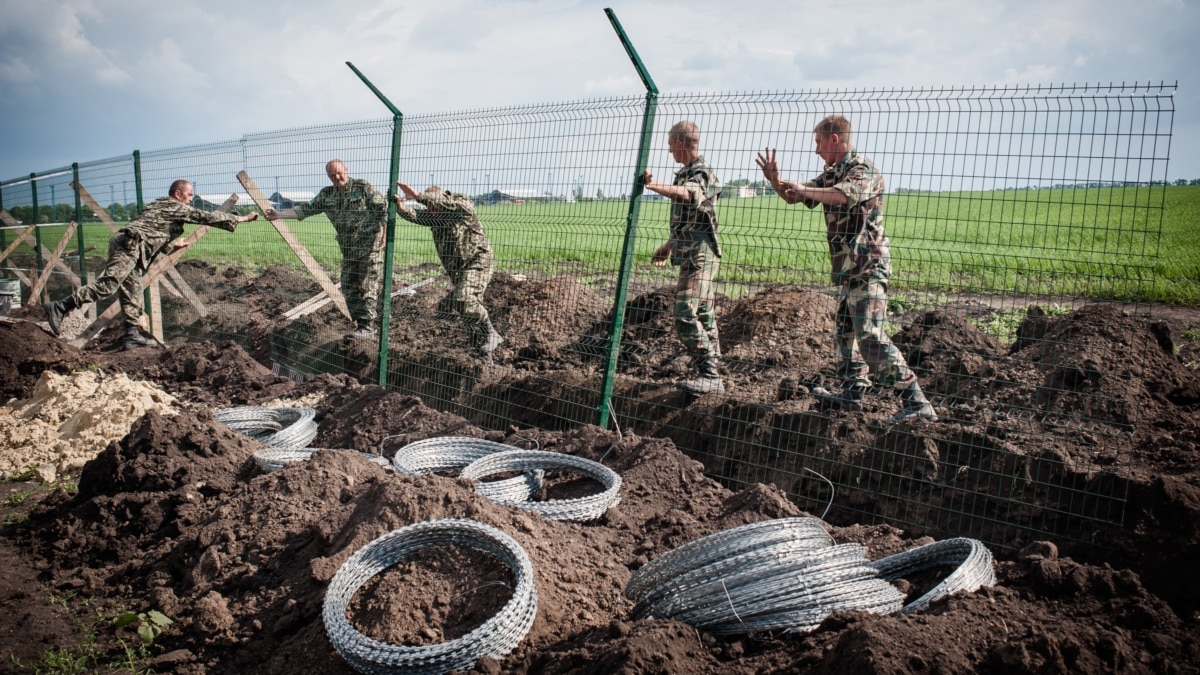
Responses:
[211,202]
[517,195]
[289,199]
[744,191]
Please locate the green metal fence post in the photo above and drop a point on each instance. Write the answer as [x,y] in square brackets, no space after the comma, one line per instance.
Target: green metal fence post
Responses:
[390,243]
[137,184]
[79,223]
[37,231]
[631,223]
[3,234]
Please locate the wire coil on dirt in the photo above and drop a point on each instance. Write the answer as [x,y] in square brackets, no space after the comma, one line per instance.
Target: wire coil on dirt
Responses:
[454,453]
[974,569]
[579,509]
[273,459]
[280,428]
[496,637]
[786,585]
[722,545]
[787,574]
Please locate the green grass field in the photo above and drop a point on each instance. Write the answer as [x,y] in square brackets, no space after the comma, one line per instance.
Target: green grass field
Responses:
[1111,243]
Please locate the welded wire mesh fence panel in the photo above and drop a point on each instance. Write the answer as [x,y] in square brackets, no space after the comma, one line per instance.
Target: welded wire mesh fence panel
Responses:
[51,194]
[285,259]
[1008,210]
[1024,227]
[550,185]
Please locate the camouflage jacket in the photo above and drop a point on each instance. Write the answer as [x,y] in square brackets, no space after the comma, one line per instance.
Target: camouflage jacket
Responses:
[858,246]
[457,233]
[164,218]
[696,218]
[357,209]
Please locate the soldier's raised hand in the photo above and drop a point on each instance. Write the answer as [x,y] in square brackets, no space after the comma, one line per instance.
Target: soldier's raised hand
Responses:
[766,162]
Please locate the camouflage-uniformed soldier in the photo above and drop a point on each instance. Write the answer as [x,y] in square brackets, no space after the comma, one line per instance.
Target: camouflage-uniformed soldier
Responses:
[693,246]
[464,251]
[851,190]
[130,252]
[358,212]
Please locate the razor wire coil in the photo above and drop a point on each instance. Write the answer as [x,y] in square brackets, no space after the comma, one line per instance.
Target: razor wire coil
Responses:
[280,428]
[974,568]
[496,637]
[454,453]
[274,459]
[724,544]
[787,574]
[579,509]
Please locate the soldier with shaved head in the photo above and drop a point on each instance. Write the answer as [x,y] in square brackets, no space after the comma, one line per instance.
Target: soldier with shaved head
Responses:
[851,191]
[358,213]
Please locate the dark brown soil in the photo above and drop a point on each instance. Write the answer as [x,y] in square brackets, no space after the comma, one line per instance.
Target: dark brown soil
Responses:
[176,517]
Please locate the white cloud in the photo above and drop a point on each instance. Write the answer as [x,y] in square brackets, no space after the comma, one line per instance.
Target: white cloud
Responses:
[182,72]
[15,70]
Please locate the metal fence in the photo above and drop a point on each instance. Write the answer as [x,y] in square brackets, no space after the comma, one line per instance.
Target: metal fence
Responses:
[998,198]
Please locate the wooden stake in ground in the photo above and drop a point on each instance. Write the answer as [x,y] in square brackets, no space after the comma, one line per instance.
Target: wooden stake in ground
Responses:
[54,257]
[21,236]
[156,269]
[294,242]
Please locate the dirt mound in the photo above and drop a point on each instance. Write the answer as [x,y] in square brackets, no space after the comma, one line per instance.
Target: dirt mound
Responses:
[175,516]
[219,376]
[28,352]
[1100,364]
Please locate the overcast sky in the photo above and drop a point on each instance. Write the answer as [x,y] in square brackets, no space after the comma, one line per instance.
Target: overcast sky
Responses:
[82,80]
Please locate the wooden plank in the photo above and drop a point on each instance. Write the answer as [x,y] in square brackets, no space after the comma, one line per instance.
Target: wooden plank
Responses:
[188,294]
[23,235]
[36,291]
[19,274]
[156,310]
[294,242]
[59,265]
[157,268]
[301,309]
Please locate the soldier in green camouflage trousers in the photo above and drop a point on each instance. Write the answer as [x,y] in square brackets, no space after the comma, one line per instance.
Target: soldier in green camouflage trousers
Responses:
[851,190]
[693,246]
[358,213]
[130,252]
[464,251]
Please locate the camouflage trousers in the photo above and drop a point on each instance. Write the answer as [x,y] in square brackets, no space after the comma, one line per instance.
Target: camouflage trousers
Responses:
[128,258]
[362,279]
[470,282]
[695,295]
[862,343]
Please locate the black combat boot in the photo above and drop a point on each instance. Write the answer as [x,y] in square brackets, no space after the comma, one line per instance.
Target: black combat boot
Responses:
[707,380]
[916,406]
[849,400]
[134,339]
[57,311]
[365,331]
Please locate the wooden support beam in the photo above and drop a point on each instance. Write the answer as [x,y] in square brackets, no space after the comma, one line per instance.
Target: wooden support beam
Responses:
[23,235]
[19,274]
[36,291]
[156,311]
[156,270]
[294,242]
